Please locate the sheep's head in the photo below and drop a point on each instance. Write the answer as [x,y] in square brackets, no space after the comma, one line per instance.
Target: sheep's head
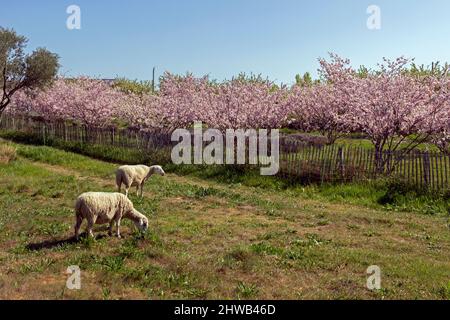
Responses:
[141,222]
[157,170]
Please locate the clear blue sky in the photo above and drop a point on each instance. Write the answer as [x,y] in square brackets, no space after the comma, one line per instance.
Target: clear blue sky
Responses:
[277,38]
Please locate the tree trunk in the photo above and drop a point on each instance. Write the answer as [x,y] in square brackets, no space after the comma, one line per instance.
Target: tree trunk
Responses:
[379,162]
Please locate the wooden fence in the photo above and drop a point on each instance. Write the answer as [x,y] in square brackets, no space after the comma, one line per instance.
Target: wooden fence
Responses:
[125,138]
[351,163]
[328,163]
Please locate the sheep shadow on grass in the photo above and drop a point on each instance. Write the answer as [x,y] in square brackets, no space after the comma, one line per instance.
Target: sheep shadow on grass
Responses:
[50,244]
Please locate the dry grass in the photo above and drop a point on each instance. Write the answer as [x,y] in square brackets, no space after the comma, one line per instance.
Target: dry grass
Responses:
[8,153]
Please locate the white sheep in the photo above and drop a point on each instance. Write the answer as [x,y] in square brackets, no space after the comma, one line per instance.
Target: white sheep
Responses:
[135,176]
[106,207]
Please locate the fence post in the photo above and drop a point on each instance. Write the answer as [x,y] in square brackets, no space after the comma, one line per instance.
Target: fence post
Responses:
[43,133]
[426,168]
[340,159]
[80,135]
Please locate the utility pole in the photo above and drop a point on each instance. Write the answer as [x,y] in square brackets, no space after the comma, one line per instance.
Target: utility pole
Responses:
[153,80]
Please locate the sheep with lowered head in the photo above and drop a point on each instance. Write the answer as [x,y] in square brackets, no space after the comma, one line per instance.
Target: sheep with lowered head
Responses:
[135,176]
[106,207]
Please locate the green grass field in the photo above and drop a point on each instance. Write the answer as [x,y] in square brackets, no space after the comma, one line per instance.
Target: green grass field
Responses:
[214,237]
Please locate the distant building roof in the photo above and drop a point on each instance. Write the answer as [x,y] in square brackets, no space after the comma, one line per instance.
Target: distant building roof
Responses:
[109,81]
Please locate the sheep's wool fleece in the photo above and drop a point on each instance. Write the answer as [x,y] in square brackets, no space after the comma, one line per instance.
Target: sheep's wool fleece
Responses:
[134,173]
[102,206]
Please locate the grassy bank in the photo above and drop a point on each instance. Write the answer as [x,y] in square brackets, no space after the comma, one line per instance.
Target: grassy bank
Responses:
[390,194]
[211,236]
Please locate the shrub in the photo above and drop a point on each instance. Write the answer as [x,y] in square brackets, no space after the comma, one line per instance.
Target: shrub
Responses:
[402,195]
[22,137]
[397,189]
[133,86]
[7,153]
[295,142]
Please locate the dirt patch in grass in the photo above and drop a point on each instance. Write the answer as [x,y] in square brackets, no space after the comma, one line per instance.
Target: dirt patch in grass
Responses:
[60,170]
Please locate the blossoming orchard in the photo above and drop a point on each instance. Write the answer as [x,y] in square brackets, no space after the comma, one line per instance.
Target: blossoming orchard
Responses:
[391,106]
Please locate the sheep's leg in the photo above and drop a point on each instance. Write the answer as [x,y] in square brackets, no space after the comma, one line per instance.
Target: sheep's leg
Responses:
[77,227]
[89,227]
[142,189]
[111,225]
[119,187]
[137,190]
[118,228]
[126,191]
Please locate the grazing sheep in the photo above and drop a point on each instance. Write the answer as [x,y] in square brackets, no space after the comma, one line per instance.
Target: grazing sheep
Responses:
[135,176]
[106,207]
